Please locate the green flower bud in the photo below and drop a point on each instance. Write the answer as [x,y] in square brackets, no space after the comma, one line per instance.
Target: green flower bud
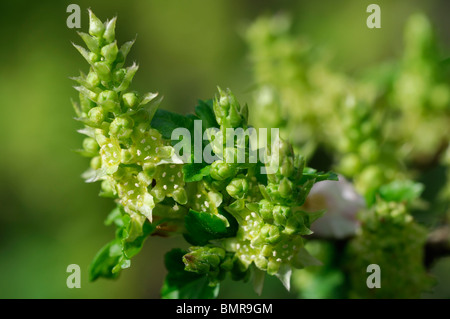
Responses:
[109,101]
[96,27]
[220,170]
[119,75]
[97,116]
[93,57]
[271,233]
[296,225]
[261,262]
[238,188]
[90,145]
[195,264]
[85,103]
[220,252]
[265,209]
[121,127]
[285,188]
[130,99]
[203,260]
[110,52]
[287,167]
[96,162]
[273,266]
[103,70]
[92,79]
[228,110]
[110,30]
[107,189]
[281,214]
[266,251]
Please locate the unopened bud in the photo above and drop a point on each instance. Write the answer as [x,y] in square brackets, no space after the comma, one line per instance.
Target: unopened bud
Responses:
[121,127]
[238,188]
[96,27]
[96,116]
[130,99]
[110,52]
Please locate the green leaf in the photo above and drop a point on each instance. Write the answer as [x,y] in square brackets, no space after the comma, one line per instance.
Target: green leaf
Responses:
[165,122]
[195,172]
[105,260]
[132,248]
[202,227]
[116,255]
[115,217]
[180,284]
[399,191]
[204,111]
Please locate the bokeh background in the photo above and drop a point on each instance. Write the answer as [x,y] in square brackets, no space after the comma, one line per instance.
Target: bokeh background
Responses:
[49,218]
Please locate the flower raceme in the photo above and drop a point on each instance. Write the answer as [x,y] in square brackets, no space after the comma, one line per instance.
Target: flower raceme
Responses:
[240,211]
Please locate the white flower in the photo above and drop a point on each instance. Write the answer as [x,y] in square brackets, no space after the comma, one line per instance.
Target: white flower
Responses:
[341,203]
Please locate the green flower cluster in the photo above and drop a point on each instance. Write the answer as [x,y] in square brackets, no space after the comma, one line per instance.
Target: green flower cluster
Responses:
[400,257]
[237,218]
[135,164]
[270,223]
[421,93]
[271,229]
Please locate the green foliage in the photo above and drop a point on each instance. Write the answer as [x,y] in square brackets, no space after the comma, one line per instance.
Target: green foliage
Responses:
[116,255]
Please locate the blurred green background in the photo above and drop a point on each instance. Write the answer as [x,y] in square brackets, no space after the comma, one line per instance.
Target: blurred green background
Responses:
[49,217]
